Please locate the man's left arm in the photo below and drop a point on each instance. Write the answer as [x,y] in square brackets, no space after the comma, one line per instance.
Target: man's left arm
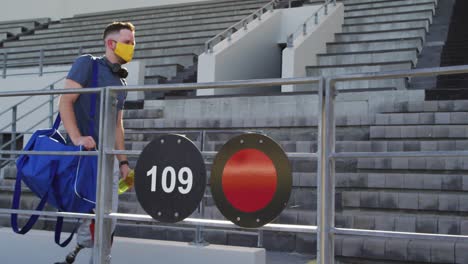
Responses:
[120,144]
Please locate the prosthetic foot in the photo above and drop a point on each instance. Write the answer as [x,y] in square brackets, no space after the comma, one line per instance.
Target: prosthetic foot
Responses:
[71,256]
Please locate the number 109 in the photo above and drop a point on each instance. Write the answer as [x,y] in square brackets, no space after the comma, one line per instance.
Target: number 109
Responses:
[168,179]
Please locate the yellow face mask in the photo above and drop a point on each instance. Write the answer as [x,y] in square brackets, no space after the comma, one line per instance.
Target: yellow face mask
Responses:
[124,51]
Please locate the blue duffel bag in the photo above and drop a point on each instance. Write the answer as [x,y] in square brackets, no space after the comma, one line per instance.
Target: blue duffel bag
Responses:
[67,183]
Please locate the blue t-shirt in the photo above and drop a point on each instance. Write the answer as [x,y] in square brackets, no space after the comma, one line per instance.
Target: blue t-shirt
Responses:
[82,73]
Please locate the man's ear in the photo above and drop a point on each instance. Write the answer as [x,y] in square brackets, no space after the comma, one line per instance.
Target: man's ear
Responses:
[110,44]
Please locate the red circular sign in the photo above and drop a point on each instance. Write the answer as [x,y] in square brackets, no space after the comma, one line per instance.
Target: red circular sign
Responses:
[249,180]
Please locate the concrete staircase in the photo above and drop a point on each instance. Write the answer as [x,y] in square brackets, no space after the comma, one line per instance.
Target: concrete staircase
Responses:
[12,30]
[169,37]
[377,36]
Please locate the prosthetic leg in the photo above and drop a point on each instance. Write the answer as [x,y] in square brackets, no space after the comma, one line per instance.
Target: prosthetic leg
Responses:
[70,258]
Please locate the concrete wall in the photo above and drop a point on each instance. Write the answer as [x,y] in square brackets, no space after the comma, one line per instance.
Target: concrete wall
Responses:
[56,9]
[250,54]
[305,48]
[253,53]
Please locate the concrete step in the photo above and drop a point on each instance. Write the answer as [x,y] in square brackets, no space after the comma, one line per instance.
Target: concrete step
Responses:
[5,35]
[177,41]
[377,4]
[425,182]
[420,23]
[412,164]
[361,2]
[95,40]
[386,44]
[146,19]
[150,80]
[368,57]
[390,9]
[161,25]
[331,70]
[166,70]
[411,201]
[396,16]
[423,118]
[426,106]
[159,11]
[387,84]
[405,222]
[143,113]
[185,60]
[154,9]
[392,250]
[381,35]
[28,25]
[13,30]
[419,132]
[71,49]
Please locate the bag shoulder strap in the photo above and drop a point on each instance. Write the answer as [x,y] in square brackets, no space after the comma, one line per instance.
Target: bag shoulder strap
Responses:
[16,200]
[92,107]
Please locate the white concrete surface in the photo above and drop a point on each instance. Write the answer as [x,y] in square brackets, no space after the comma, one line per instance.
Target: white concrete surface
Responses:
[39,247]
[56,9]
[255,54]
[306,47]
[250,54]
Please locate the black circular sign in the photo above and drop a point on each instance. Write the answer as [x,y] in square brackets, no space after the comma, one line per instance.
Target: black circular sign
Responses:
[251,180]
[170,178]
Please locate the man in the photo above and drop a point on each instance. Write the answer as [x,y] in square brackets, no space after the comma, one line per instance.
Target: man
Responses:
[119,41]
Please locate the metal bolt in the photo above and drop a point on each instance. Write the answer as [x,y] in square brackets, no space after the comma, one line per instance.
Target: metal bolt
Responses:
[159,213]
[178,141]
[176,214]
[242,141]
[162,141]
[238,219]
[258,220]
[260,141]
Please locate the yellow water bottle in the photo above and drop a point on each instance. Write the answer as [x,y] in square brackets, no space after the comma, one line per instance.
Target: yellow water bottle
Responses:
[127,183]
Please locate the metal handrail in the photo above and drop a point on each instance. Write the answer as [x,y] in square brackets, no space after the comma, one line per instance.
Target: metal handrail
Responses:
[302,29]
[40,62]
[29,97]
[328,155]
[241,24]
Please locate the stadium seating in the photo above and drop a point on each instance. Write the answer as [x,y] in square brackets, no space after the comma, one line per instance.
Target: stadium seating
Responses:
[11,30]
[169,38]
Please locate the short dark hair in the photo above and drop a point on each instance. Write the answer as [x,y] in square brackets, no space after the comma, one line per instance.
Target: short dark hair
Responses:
[115,27]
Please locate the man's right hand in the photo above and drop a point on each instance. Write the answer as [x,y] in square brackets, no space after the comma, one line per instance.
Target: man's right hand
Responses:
[87,142]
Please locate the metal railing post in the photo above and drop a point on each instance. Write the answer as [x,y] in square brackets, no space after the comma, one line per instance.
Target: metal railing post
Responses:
[316,18]
[103,225]
[14,115]
[325,172]
[326,8]
[304,29]
[260,239]
[51,107]
[41,62]
[5,59]
[229,35]
[289,4]
[290,41]
[199,239]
